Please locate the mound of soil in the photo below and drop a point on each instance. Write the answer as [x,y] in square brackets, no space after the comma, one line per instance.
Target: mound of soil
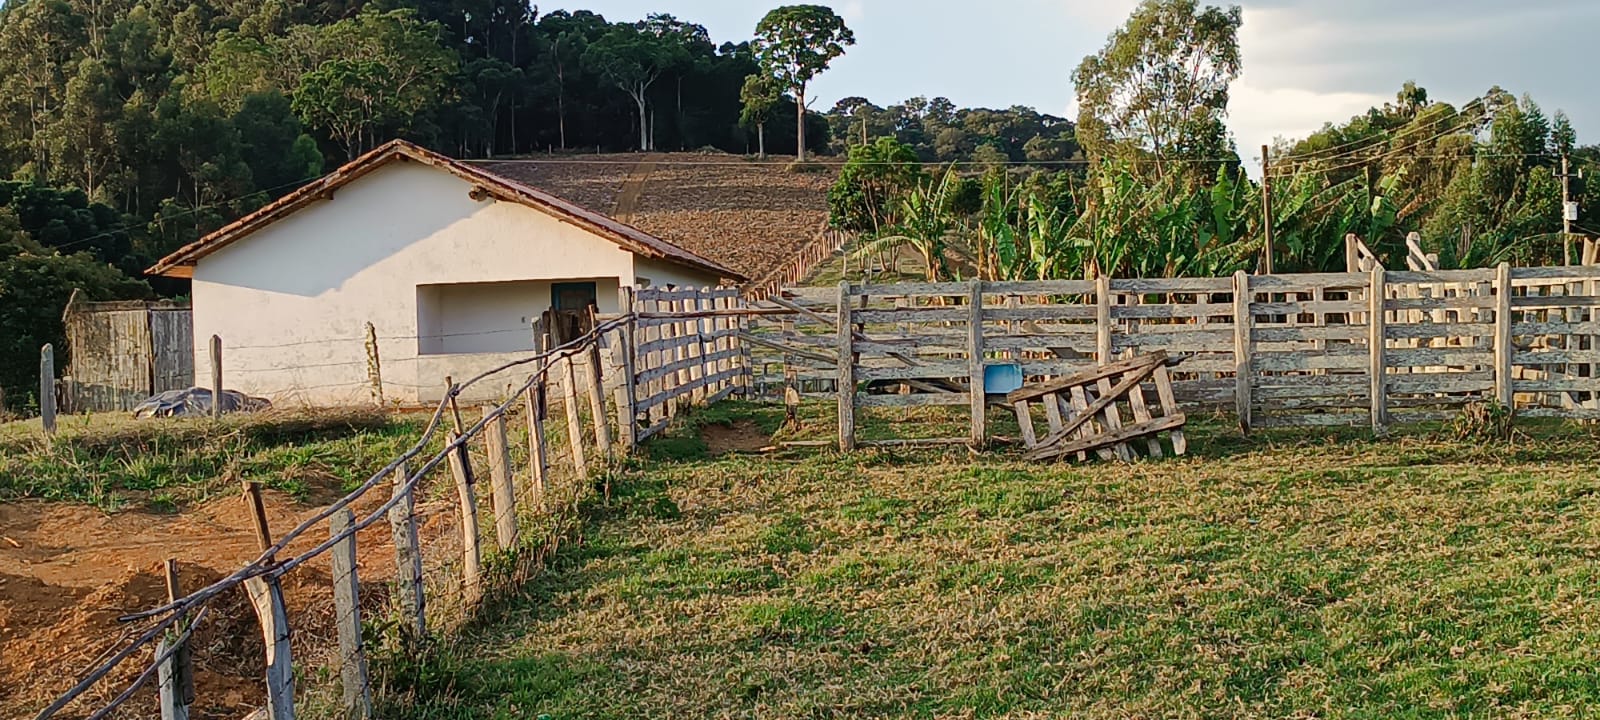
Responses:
[67,573]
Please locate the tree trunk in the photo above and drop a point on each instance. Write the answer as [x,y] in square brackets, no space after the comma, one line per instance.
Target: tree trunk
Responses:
[800,125]
[561,104]
[761,140]
[644,124]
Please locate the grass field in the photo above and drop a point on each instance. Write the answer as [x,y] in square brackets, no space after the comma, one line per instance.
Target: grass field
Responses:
[1279,576]
[113,461]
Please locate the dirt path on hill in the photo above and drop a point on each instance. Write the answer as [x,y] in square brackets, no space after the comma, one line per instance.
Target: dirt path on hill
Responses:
[633,190]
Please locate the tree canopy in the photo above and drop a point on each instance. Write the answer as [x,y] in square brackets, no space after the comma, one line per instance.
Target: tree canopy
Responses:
[794,44]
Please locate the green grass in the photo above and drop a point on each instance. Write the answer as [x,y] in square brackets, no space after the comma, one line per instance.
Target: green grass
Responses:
[116,462]
[1285,575]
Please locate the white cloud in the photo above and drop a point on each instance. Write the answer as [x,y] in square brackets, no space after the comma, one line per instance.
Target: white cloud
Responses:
[1259,115]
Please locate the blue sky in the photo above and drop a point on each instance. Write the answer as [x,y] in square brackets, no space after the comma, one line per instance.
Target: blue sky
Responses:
[1306,61]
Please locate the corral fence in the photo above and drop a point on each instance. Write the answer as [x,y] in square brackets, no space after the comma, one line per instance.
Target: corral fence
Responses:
[1370,348]
[122,352]
[828,242]
[470,511]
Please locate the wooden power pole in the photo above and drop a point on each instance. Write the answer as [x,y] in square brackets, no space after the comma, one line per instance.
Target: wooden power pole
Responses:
[1266,209]
[1569,210]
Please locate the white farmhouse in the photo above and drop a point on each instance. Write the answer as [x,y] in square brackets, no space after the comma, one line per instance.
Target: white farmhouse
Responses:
[451,265]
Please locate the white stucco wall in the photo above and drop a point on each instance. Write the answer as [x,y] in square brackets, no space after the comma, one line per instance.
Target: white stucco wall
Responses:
[291,300]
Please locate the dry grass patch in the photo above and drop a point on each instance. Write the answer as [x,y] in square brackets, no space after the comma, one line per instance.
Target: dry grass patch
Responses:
[1278,576]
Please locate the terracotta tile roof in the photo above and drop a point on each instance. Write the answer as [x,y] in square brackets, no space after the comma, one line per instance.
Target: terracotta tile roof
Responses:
[181,263]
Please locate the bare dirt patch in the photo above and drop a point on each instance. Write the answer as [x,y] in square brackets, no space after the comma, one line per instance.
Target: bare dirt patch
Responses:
[737,436]
[67,572]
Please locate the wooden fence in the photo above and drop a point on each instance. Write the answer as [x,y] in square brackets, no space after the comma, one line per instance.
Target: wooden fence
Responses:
[123,352]
[509,479]
[799,266]
[1322,349]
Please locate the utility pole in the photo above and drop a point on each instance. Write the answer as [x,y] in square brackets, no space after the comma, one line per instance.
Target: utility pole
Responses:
[1569,210]
[1266,208]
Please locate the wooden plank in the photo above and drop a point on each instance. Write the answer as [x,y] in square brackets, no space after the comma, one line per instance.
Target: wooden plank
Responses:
[597,399]
[1161,286]
[1087,376]
[1435,357]
[943,370]
[1177,311]
[357,696]
[1077,399]
[533,404]
[1040,313]
[846,368]
[503,498]
[1502,336]
[408,561]
[467,502]
[1040,287]
[910,315]
[1375,348]
[914,400]
[569,402]
[1553,302]
[1025,421]
[1118,436]
[1169,406]
[1405,277]
[1102,322]
[975,383]
[216,376]
[1556,274]
[1306,307]
[47,388]
[1141,414]
[1334,359]
[1555,328]
[914,289]
[1566,384]
[627,389]
[1308,334]
[1447,330]
[1243,365]
[1308,281]
[169,691]
[266,598]
[1303,419]
[1471,302]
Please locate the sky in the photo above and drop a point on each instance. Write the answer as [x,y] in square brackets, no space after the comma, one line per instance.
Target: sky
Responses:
[1306,62]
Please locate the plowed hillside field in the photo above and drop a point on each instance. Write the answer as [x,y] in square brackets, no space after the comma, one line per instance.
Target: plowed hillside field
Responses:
[746,214]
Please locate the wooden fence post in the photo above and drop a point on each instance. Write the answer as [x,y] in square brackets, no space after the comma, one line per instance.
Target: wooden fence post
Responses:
[347,616]
[47,388]
[175,677]
[266,597]
[374,366]
[1102,319]
[471,553]
[1375,347]
[569,399]
[1503,379]
[847,372]
[597,398]
[1243,326]
[216,376]
[538,464]
[504,498]
[979,397]
[408,560]
[627,392]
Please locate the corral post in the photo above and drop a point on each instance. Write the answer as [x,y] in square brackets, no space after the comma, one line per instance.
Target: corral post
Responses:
[1243,323]
[216,376]
[538,465]
[266,597]
[176,674]
[975,364]
[627,393]
[1375,347]
[569,399]
[597,398]
[1352,258]
[471,554]
[1502,337]
[374,367]
[408,560]
[847,372]
[47,388]
[791,380]
[347,616]
[1102,319]
[498,450]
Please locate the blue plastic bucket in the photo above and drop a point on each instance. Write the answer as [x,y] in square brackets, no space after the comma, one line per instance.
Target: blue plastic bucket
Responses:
[1001,378]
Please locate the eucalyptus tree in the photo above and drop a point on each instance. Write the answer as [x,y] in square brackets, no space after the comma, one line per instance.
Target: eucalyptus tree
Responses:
[794,44]
[758,97]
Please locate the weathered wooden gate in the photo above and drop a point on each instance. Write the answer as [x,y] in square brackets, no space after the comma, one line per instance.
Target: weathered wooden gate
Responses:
[125,351]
